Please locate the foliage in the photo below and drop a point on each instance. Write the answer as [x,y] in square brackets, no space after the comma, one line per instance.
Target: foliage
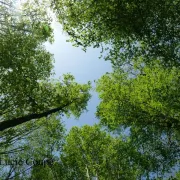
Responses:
[146,102]
[160,150]
[141,96]
[90,152]
[127,29]
[26,87]
[150,97]
[24,61]
[39,150]
[25,70]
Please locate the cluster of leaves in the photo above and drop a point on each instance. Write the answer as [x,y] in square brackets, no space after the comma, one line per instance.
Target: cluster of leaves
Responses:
[149,98]
[127,29]
[86,155]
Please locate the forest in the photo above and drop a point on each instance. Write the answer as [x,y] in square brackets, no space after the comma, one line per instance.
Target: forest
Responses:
[137,136]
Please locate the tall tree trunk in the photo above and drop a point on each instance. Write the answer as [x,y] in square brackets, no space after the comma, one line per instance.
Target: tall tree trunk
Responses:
[17,121]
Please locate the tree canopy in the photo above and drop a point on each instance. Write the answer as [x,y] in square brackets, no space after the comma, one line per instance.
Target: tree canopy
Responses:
[137,136]
[87,155]
[149,97]
[26,67]
[29,95]
[127,29]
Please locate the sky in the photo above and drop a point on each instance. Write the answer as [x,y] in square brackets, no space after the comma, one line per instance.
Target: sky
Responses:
[84,66]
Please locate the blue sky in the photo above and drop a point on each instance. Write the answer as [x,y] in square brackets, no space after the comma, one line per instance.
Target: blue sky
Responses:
[84,66]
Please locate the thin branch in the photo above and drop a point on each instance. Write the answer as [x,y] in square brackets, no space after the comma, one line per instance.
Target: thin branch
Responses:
[10,172]
[20,173]
[12,151]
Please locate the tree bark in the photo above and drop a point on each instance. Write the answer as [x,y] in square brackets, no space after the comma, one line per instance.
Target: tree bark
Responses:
[20,120]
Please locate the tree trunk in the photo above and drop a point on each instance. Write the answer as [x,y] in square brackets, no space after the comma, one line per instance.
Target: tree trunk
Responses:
[17,121]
